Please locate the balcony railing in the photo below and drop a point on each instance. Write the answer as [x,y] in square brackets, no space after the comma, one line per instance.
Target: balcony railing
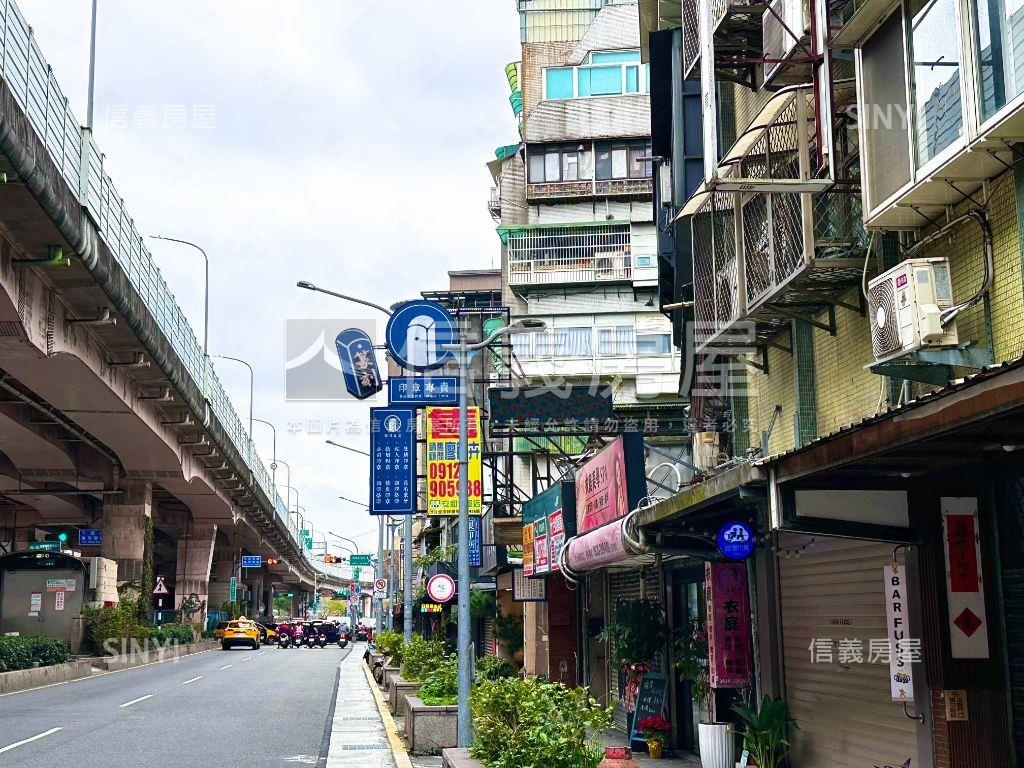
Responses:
[770,242]
[602,188]
[80,162]
[735,36]
[551,255]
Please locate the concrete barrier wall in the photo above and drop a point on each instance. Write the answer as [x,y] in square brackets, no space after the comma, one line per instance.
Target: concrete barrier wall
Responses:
[24,679]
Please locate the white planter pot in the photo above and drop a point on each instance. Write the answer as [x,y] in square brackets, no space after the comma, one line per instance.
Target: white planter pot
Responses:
[717,748]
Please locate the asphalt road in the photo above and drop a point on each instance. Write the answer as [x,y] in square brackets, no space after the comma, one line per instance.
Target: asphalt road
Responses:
[230,709]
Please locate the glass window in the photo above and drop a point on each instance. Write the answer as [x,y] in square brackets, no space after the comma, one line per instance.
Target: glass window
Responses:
[619,163]
[521,345]
[613,57]
[604,163]
[652,344]
[536,167]
[570,166]
[552,166]
[643,261]
[606,341]
[935,47]
[558,83]
[542,344]
[999,36]
[586,165]
[600,81]
[639,168]
[573,342]
[624,340]
[632,79]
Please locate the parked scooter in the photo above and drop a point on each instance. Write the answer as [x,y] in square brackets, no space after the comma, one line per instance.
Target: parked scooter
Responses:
[321,638]
[284,640]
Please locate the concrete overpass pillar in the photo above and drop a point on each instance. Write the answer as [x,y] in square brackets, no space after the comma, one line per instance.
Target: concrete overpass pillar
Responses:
[195,558]
[124,528]
[297,604]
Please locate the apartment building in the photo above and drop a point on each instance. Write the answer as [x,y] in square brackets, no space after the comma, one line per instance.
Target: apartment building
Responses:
[841,255]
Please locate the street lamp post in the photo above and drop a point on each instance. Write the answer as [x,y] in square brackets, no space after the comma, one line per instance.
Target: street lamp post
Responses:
[252,381]
[273,451]
[206,292]
[463,351]
[352,610]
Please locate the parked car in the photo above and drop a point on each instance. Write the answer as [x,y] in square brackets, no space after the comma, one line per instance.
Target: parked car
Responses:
[218,631]
[268,632]
[241,632]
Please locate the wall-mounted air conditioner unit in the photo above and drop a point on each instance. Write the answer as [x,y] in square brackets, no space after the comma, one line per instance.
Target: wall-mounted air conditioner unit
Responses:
[906,305]
[783,24]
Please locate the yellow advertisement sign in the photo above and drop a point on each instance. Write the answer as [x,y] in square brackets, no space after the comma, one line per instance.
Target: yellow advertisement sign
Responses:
[443,462]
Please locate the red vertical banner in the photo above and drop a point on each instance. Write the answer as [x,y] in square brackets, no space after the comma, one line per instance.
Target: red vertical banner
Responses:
[729,644]
[965,588]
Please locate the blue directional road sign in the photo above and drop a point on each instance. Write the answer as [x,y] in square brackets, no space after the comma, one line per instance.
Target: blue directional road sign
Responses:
[90,537]
[423,390]
[392,461]
[416,332]
[358,363]
[736,540]
[252,561]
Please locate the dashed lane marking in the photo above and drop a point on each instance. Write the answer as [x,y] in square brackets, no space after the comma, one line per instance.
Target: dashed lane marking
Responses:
[191,680]
[135,701]
[29,739]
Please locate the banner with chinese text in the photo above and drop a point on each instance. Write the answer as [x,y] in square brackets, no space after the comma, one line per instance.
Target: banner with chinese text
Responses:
[443,462]
[729,645]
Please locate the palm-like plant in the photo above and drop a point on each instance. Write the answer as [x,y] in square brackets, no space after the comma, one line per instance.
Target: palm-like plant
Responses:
[766,731]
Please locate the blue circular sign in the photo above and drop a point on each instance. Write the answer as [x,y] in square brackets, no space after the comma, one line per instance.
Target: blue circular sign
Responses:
[736,540]
[416,332]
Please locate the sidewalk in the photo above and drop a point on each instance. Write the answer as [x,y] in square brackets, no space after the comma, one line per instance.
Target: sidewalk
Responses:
[679,760]
[358,736]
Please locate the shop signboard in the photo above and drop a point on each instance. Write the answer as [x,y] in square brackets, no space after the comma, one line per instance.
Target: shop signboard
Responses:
[728,611]
[897,612]
[548,520]
[526,590]
[443,462]
[392,461]
[651,698]
[965,592]
[597,549]
[601,492]
[528,567]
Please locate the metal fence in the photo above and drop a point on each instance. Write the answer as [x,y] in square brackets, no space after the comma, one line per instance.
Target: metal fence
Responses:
[31,81]
[584,254]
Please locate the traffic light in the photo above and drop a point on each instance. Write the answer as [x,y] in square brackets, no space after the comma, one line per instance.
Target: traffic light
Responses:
[272,561]
[290,594]
[62,535]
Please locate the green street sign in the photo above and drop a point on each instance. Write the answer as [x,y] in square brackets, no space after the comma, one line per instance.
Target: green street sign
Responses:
[44,546]
[233,590]
[304,532]
[355,574]
[360,559]
[309,542]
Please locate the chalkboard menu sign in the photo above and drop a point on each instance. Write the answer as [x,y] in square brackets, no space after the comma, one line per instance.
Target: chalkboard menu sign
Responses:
[650,701]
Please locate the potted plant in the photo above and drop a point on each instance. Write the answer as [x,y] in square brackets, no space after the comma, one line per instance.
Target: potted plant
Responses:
[765,736]
[636,634]
[715,740]
[654,729]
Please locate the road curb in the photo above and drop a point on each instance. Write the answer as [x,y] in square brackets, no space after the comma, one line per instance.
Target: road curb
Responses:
[398,750]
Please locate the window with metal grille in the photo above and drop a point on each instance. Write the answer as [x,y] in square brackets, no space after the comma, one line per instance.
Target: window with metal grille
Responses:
[570,254]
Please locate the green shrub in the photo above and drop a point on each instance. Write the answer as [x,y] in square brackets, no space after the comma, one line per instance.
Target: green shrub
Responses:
[182,634]
[482,604]
[494,668]
[421,657]
[441,686]
[526,722]
[106,627]
[23,652]
[390,644]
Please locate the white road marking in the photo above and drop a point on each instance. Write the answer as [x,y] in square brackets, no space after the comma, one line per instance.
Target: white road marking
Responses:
[192,680]
[31,738]
[226,666]
[246,658]
[135,701]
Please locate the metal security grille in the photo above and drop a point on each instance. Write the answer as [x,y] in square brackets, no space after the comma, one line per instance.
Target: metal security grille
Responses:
[715,266]
[691,36]
[558,255]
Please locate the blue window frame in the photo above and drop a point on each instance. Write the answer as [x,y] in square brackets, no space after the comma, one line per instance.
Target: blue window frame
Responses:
[600,81]
[614,57]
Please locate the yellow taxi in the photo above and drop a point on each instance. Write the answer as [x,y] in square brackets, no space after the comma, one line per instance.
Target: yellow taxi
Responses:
[268,633]
[218,631]
[241,631]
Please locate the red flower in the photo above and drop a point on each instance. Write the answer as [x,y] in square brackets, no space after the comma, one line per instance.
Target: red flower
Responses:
[654,723]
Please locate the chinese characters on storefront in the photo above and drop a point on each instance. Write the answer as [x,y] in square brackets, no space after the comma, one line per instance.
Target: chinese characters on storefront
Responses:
[728,610]
[443,461]
[392,468]
[968,629]
[547,521]
[601,494]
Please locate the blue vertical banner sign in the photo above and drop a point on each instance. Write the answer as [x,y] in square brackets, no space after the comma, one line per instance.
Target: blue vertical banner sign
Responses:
[358,363]
[474,542]
[392,461]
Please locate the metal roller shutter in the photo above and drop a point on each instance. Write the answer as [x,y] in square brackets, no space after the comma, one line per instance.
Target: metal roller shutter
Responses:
[833,589]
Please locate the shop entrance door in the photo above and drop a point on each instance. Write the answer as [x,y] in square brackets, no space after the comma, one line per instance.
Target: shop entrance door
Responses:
[688,613]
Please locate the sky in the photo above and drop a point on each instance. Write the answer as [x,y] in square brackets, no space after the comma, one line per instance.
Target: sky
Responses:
[342,143]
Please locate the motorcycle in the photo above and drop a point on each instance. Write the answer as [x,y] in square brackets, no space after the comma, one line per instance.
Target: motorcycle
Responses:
[321,639]
[309,640]
[284,640]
